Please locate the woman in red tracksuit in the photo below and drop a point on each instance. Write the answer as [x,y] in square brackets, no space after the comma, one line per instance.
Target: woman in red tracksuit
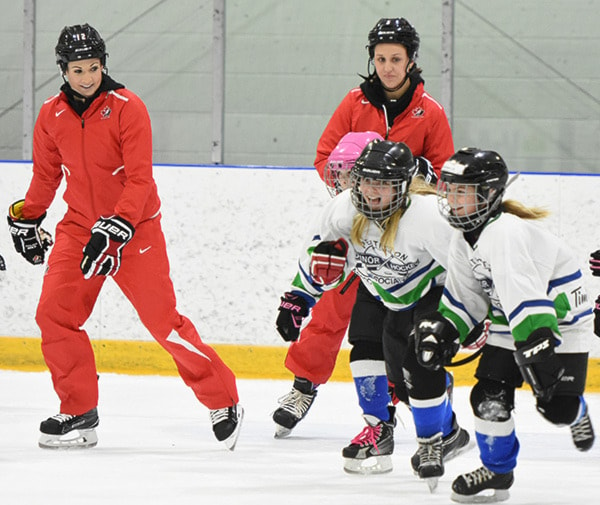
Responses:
[97,136]
[392,102]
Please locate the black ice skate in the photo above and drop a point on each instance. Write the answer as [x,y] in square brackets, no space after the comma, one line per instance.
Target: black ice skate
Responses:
[226,424]
[453,444]
[431,465]
[66,431]
[583,432]
[482,486]
[293,407]
[370,451]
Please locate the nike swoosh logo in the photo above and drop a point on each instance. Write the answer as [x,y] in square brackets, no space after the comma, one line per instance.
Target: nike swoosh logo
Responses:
[60,112]
[145,249]
[365,102]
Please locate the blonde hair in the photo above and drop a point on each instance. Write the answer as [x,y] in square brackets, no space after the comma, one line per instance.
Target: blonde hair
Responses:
[389,226]
[522,211]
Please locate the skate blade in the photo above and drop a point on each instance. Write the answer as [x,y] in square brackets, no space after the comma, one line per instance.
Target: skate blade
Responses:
[497,495]
[75,439]
[231,440]
[369,466]
[432,483]
[282,431]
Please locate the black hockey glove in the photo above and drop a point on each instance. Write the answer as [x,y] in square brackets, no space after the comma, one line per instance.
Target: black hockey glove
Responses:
[597,317]
[327,261]
[478,335]
[102,254]
[595,263]
[2,263]
[540,367]
[424,168]
[29,239]
[292,311]
[436,341]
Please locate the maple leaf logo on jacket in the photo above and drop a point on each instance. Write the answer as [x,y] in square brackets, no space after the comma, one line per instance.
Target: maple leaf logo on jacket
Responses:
[105,113]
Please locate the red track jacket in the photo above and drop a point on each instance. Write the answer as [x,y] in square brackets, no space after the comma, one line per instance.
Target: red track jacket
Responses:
[102,180]
[422,126]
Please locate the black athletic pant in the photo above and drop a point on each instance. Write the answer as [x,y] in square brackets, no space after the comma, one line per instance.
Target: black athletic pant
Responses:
[378,333]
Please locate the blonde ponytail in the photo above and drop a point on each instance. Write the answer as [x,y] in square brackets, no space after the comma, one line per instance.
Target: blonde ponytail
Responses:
[522,211]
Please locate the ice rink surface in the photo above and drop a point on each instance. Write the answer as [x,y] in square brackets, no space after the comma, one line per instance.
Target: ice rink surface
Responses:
[156,446]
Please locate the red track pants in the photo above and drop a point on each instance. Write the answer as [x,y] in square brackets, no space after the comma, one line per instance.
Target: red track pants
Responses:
[313,355]
[67,300]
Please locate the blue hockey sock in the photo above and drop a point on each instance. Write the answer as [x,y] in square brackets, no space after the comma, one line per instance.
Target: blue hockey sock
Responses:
[448,422]
[372,387]
[429,415]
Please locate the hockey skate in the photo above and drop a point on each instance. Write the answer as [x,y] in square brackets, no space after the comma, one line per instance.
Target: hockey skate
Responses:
[583,432]
[431,465]
[482,486]
[226,424]
[370,451]
[66,431]
[293,407]
[453,444]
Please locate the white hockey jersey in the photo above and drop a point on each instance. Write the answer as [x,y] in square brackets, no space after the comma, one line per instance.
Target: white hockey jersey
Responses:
[398,278]
[522,277]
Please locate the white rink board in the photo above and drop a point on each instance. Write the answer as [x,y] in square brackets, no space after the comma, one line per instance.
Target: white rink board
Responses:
[234,235]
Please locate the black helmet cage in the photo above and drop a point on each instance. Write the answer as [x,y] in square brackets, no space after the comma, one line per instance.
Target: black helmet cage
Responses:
[486,172]
[79,42]
[397,31]
[389,163]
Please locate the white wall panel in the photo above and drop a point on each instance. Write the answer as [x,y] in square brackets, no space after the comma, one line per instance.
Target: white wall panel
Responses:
[234,235]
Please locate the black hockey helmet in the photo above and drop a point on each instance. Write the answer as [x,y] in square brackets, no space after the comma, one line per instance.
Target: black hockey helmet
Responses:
[397,31]
[486,172]
[385,163]
[79,42]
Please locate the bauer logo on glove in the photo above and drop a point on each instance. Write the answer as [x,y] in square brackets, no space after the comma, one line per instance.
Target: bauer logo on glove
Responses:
[30,240]
[102,254]
[292,310]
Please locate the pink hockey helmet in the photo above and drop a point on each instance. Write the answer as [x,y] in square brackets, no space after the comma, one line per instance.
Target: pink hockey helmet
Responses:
[342,158]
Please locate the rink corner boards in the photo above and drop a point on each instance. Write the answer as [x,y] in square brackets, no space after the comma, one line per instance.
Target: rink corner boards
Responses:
[247,362]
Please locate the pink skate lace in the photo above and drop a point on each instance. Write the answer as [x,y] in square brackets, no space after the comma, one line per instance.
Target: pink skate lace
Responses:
[368,436]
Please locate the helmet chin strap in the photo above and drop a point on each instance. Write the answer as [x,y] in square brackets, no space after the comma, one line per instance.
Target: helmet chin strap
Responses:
[406,78]
[393,90]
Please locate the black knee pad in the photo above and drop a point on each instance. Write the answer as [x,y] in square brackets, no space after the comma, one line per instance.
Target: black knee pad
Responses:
[492,401]
[560,410]
[365,349]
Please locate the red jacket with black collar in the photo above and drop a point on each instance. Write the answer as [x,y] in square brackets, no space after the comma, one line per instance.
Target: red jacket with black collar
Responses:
[422,126]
